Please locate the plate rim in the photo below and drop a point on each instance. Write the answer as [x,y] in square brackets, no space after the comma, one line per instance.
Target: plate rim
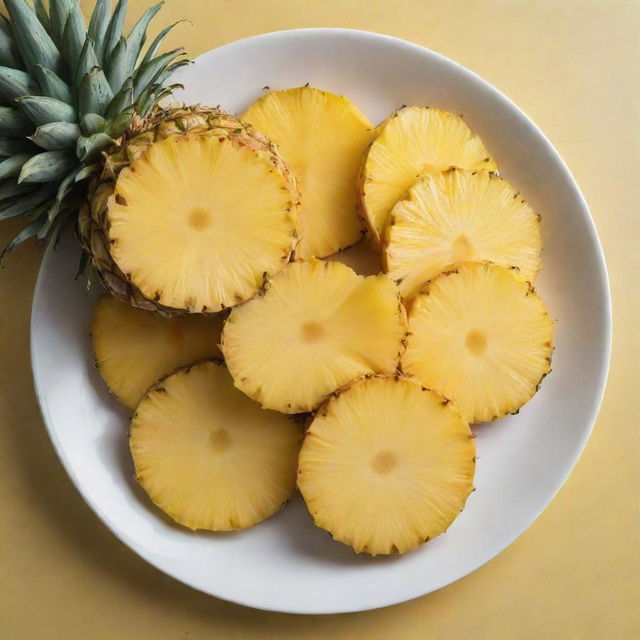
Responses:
[604,350]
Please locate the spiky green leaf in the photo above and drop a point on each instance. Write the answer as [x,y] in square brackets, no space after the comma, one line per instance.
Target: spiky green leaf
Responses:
[9,54]
[87,171]
[11,188]
[158,40]
[13,165]
[95,93]
[138,35]
[13,123]
[116,66]
[41,14]
[15,83]
[65,187]
[73,38]
[42,110]
[88,149]
[28,202]
[57,135]
[114,32]
[118,125]
[34,44]
[52,85]
[92,123]
[122,100]
[152,69]
[98,27]
[87,61]
[28,232]
[48,166]
[58,12]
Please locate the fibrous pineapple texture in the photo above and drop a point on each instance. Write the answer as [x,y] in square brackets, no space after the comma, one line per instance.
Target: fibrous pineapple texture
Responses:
[459,215]
[208,456]
[386,465]
[410,141]
[481,335]
[322,137]
[192,214]
[135,348]
[318,326]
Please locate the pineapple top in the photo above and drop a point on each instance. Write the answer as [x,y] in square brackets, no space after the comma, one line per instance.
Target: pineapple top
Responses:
[69,92]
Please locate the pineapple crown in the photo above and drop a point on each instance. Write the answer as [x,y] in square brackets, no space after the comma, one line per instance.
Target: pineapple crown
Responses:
[67,93]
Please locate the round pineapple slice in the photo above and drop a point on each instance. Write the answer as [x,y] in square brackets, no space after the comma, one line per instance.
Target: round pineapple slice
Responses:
[133,348]
[322,137]
[459,215]
[208,456]
[386,465]
[481,335]
[197,221]
[318,326]
[408,142]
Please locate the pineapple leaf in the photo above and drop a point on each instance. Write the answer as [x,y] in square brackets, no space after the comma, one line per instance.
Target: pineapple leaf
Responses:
[9,54]
[56,135]
[58,12]
[159,39]
[13,123]
[88,148]
[35,44]
[42,110]
[147,73]
[137,37]
[11,188]
[92,123]
[122,100]
[15,83]
[13,146]
[120,123]
[116,67]
[42,14]
[63,190]
[73,38]
[48,166]
[87,171]
[13,165]
[98,26]
[87,61]
[52,85]
[5,25]
[27,203]
[114,32]
[94,94]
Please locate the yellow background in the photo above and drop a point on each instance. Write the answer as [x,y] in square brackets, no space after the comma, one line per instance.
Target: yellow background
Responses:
[572,65]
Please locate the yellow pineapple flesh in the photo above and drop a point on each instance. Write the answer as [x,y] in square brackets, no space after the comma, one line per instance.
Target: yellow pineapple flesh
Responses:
[196,221]
[208,456]
[481,335]
[459,215]
[410,141]
[318,326]
[386,465]
[322,137]
[133,349]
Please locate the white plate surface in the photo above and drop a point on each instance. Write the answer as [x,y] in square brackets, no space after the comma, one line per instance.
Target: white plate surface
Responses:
[285,564]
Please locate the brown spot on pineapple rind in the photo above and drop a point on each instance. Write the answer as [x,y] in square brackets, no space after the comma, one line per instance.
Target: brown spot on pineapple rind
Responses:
[121,200]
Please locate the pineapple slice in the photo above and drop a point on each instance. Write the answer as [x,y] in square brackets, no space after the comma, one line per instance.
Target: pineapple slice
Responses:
[408,142]
[133,348]
[208,456]
[322,137]
[386,465]
[318,326]
[198,220]
[459,215]
[481,335]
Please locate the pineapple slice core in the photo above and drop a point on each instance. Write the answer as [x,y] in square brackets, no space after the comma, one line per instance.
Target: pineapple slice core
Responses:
[208,456]
[197,221]
[481,335]
[386,465]
[318,326]
[322,137]
[455,216]
[133,349]
[411,141]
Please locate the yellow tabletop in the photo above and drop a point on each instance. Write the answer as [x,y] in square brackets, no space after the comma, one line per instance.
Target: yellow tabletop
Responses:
[572,65]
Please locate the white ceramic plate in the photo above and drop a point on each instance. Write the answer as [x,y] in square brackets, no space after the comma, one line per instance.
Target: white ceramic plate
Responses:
[285,564]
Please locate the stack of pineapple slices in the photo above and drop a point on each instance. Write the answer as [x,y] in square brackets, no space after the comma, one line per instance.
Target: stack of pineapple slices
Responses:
[388,459]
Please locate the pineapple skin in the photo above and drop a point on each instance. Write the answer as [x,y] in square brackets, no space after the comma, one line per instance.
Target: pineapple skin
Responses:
[93,224]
